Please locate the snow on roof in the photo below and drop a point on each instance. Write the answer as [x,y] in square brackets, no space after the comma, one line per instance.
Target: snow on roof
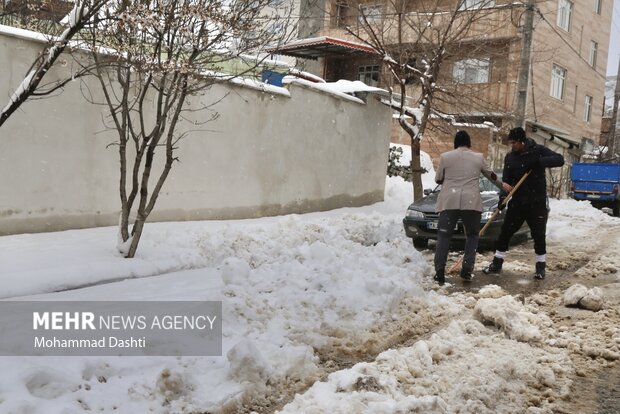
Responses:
[485,124]
[342,88]
[306,75]
[315,47]
[23,33]
[265,60]
[261,86]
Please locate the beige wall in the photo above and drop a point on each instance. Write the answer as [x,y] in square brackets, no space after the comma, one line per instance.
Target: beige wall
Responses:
[548,48]
[266,154]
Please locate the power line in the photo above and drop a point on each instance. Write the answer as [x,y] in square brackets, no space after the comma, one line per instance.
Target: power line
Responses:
[571,47]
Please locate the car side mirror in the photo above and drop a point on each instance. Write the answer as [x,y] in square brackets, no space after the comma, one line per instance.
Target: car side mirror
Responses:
[427,191]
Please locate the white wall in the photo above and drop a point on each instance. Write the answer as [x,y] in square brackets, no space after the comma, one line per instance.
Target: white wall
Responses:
[266,154]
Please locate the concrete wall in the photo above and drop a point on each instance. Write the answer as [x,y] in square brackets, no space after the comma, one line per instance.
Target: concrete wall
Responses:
[266,154]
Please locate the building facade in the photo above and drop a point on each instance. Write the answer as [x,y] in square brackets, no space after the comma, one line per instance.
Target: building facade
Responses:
[565,86]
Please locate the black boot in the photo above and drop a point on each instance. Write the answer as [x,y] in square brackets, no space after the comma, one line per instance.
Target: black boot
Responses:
[466,273]
[494,267]
[440,277]
[540,271]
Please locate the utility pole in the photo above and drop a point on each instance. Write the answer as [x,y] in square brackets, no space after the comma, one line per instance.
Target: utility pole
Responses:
[524,65]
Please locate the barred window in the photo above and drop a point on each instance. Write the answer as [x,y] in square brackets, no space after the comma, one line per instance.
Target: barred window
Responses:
[471,70]
[373,13]
[369,74]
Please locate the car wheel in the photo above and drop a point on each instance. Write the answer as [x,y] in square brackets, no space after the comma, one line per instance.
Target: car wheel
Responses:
[420,243]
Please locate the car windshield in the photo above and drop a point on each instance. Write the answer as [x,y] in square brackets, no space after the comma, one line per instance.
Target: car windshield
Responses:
[485,185]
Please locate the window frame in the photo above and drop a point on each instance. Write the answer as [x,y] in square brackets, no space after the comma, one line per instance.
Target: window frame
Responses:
[565,13]
[476,4]
[467,65]
[558,81]
[593,53]
[371,18]
[587,108]
[369,70]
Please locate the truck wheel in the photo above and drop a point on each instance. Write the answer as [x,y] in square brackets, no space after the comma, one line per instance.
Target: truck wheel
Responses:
[420,243]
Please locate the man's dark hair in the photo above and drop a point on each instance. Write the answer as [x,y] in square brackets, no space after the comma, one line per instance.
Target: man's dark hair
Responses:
[461,139]
[517,134]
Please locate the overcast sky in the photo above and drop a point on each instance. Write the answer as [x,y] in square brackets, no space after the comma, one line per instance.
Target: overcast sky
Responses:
[614,43]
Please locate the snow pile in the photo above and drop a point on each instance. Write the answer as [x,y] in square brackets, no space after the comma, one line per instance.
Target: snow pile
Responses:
[511,317]
[583,234]
[295,289]
[303,295]
[581,296]
[465,368]
[491,291]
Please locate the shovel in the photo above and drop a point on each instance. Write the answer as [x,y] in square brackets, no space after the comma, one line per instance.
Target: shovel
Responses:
[457,266]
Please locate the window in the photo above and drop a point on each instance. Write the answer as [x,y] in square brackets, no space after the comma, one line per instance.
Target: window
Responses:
[597,6]
[476,4]
[371,12]
[369,74]
[565,9]
[593,50]
[341,14]
[277,28]
[587,108]
[558,77]
[471,70]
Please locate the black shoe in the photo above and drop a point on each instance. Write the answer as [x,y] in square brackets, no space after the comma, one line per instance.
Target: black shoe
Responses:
[440,277]
[467,274]
[540,271]
[494,267]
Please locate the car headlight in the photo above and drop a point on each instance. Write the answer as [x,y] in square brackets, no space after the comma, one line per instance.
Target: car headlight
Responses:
[486,215]
[414,214]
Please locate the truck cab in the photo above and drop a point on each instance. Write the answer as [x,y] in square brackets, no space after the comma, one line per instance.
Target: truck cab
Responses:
[598,183]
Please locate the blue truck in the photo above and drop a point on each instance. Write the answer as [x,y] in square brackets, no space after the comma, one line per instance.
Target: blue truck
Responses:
[598,183]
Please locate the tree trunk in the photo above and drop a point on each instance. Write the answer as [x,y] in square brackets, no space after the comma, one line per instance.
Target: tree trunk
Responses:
[416,169]
[136,234]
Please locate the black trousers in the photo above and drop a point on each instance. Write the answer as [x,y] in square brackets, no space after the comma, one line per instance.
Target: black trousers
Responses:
[445,228]
[535,216]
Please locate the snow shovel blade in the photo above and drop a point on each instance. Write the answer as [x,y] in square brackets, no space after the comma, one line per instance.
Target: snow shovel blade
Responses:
[456,267]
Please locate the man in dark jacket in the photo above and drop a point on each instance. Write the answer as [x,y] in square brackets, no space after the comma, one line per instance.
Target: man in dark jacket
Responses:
[529,203]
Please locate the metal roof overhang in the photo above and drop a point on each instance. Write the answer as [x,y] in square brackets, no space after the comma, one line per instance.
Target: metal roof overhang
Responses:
[551,133]
[316,47]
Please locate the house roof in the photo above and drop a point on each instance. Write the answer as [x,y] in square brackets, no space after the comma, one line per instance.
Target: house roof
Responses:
[315,47]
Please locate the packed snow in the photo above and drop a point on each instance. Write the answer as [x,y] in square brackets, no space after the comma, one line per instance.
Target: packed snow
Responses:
[304,298]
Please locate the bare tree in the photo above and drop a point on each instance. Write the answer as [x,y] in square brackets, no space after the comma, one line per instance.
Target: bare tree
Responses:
[160,53]
[414,41]
[80,16]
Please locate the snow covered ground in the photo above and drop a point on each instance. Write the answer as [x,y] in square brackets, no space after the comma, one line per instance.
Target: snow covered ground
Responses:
[302,295]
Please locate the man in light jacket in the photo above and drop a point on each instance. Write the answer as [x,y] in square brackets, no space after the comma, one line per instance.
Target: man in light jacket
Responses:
[459,175]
